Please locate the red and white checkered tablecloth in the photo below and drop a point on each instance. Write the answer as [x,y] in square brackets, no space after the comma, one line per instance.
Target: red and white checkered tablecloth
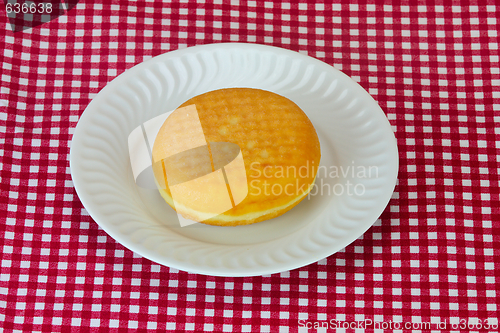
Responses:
[431,257]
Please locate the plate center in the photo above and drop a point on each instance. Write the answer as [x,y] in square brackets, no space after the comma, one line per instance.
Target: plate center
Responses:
[304,213]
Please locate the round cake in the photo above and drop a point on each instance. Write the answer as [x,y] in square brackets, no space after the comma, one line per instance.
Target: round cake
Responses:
[235,156]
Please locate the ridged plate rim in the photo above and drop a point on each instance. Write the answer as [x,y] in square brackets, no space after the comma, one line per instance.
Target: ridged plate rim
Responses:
[313,242]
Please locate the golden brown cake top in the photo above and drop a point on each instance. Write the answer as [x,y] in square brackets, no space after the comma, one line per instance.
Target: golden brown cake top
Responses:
[278,144]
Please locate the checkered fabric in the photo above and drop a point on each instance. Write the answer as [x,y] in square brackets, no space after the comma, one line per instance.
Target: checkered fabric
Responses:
[431,257]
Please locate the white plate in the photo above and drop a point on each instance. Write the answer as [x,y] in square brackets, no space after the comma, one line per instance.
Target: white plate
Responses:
[353,131]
